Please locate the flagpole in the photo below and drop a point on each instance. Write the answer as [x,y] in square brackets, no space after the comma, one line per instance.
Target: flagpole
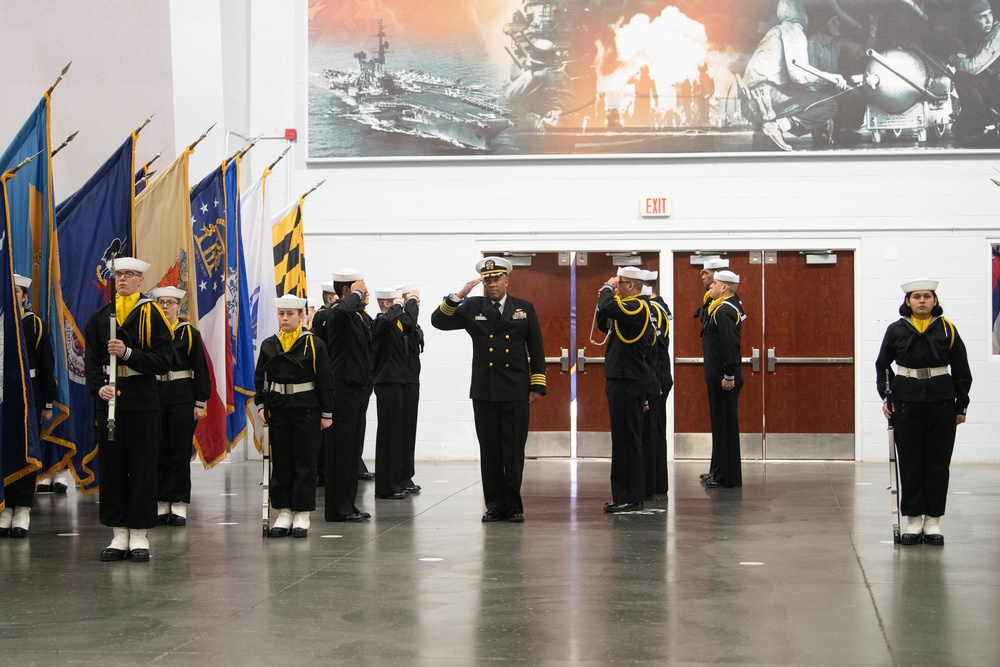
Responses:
[204,134]
[13,170]
[313,189]
[144,124]
[278,159]
[59,78]
[154,159]
[65,143]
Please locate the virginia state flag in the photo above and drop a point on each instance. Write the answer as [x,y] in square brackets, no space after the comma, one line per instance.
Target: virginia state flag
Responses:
[208,232]
[19,444]
[238,310]
[87,223]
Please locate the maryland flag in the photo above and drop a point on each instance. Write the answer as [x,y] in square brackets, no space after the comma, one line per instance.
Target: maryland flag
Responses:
[289,251]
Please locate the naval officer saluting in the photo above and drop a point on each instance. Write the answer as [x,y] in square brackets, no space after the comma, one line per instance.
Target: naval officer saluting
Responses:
[505,332]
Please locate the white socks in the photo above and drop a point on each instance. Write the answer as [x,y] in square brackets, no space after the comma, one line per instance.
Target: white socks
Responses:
[300,520]
[121,539]
[22,517]
[180,509]
[137,539]
[914,525]
[932,525]
[284,519]
[6,518]
[162,508]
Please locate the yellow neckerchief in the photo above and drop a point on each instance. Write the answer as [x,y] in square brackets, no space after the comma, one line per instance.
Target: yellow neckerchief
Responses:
[642,305]
[124,306]
[708,297]
[923,325]
[714,306]
[287,339]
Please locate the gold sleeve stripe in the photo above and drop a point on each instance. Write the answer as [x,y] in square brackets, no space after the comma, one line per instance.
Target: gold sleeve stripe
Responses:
[538,378]
[447,309]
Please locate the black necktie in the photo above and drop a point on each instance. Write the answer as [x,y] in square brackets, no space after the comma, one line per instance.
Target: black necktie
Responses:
[496,307]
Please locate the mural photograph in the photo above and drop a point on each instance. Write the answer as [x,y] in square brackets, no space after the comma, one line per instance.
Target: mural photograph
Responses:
[397,79]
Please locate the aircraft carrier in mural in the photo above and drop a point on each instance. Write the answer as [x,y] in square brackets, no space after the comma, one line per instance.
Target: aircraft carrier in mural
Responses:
[418,103]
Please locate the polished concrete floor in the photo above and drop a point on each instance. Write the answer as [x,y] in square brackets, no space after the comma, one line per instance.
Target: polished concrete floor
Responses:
[795,568]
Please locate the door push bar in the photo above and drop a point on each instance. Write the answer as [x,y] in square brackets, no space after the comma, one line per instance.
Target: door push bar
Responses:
[581,360]
[753,360]
[773,360]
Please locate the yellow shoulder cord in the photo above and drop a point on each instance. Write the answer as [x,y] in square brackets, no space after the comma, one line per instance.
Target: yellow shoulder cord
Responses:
[38,326]
[952,327]
[190,339]
[645,325]
[313,346]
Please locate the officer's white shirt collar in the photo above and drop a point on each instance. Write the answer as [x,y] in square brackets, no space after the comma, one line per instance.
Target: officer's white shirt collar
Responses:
[502,302]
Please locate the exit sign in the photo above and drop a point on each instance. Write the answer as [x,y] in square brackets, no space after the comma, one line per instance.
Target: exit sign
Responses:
[654,207]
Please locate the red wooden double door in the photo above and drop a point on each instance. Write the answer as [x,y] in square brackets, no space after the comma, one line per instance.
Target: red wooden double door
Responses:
[797,345]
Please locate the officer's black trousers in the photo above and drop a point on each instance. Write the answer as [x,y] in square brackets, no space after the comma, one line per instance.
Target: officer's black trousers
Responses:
[925,440]
[625,401]
[502,429]
[174,462]
[128,468]
[294,438]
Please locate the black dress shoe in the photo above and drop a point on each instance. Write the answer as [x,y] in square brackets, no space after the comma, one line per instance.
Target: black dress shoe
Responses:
[909,539]
[492,515]
[44,488]
[703,476]
[4,532]
[109,555]
[138,555]
[516,517]
[413,488]
[365,516]
[932,540]
[59,488]
[300,532]
[23,532]
[278,532]
[618,508]
[178,520]
[390,496]
[712,483]
[163,519]
[367,476]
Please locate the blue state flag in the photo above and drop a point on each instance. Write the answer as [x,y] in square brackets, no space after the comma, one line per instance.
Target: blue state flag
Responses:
[19,444]
[87,223]
[237,311]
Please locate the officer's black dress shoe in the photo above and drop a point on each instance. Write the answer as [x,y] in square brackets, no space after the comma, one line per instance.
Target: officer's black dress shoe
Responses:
[932,540]
[278,532]
[139,555]
[390,496]
[617,508]
[413,488]
[909,539]
[300,532]
[365,515]
[516,517]
[492,515]
[59,488]
[23,532]
[110,554]
[357,516]
[367,476]
[178,520]
[712,483]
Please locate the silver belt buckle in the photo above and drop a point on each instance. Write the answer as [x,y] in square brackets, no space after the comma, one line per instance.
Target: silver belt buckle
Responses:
[923,373]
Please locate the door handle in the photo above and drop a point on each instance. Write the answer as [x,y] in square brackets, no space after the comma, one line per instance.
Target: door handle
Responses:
[582,360]
[563,360]
[755,360]
[773,360]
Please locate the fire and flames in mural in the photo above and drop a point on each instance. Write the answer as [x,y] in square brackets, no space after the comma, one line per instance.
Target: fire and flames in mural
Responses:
[394,78]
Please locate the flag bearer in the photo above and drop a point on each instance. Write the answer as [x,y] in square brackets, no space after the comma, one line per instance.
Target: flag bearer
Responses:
[295,398]
[143,347]
[184,391]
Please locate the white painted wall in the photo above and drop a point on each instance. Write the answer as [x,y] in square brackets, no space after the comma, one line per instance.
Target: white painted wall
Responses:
[426,222]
